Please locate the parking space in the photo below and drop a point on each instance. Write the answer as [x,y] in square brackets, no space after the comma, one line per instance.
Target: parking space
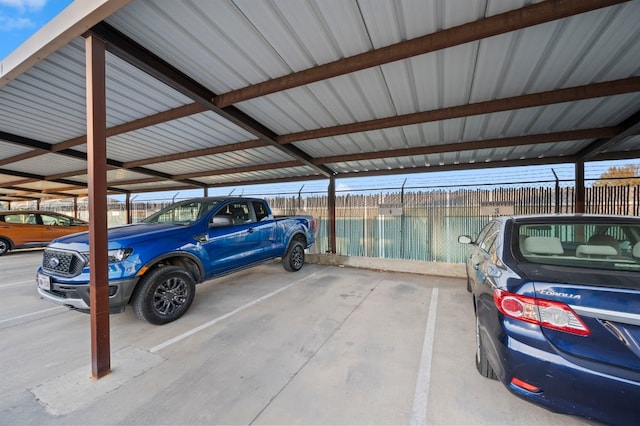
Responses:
[326,345]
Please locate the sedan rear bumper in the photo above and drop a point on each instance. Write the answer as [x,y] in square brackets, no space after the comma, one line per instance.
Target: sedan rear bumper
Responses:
[569,388]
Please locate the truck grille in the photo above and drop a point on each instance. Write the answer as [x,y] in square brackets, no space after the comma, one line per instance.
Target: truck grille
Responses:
[65,263]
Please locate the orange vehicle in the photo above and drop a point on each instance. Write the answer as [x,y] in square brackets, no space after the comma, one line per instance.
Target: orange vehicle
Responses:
[34,228]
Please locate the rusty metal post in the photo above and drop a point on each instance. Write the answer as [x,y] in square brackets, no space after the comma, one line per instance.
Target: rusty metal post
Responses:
[580,191]
[127,206]
[333,248]
[97,169]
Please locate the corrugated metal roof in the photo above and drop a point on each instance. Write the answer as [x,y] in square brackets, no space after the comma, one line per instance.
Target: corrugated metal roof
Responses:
[282,93]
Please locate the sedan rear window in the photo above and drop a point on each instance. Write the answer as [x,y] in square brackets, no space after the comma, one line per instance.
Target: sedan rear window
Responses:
[599,245]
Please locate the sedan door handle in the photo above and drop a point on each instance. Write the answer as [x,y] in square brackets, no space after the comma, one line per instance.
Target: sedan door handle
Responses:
[250,231]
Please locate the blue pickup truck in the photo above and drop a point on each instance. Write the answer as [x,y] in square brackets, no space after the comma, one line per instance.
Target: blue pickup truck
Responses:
[154,265]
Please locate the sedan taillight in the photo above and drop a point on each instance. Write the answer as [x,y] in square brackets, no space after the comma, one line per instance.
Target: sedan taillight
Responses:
[546,313]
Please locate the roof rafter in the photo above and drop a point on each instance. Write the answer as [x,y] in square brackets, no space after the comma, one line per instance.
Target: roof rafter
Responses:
[629,127]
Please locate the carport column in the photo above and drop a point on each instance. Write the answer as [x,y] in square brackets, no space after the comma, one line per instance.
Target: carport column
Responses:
[579,200]
[97,168]
[332,215]
[127,206]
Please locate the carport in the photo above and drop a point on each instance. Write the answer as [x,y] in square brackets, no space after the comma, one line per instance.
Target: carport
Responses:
[136,96]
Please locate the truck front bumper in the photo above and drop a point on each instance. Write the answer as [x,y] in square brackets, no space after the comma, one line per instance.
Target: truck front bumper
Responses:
[76,296]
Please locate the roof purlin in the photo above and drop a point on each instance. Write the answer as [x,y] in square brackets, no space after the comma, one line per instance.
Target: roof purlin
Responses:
[513,20]
[590,91]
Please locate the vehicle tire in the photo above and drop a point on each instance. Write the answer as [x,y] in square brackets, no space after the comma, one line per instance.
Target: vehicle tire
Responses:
[164,295]
[5,246]
[482,363]
[293,259]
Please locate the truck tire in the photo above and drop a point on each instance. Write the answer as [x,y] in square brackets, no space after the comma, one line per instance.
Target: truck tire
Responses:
[293,259]
[164,295]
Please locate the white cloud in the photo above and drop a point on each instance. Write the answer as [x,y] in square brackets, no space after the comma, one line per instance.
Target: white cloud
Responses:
[24,5]
[11,24]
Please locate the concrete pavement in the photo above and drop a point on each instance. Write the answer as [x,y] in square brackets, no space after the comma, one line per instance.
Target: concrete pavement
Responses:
[325,345]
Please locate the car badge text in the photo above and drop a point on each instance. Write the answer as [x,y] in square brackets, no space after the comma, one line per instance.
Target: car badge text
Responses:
[553,293]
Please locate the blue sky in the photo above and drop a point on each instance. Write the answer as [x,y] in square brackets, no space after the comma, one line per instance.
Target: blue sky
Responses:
[19,19]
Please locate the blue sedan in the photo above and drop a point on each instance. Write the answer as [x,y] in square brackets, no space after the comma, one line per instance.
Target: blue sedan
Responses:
[557,304]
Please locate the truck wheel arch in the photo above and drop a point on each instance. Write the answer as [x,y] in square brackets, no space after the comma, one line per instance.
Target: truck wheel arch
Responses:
[298,236]
[188,261]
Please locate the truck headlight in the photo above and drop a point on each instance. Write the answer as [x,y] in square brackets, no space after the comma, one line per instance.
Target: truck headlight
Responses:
[118,255]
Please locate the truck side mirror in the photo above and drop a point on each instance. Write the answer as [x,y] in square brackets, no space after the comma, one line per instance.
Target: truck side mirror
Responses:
[218,221]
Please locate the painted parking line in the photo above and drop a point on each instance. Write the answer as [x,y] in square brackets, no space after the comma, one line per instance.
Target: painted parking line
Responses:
[227,315]
[32,313]
[419,411]
[18,283]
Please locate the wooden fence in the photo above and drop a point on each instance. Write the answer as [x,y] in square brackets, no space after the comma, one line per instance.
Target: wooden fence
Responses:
[424,225]
[417,224]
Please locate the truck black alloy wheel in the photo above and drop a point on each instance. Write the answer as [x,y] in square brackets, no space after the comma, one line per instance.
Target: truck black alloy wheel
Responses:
[294,258]
[164,295]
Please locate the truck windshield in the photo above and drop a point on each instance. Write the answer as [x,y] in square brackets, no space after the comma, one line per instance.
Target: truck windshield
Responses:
[183,213]
[599,244]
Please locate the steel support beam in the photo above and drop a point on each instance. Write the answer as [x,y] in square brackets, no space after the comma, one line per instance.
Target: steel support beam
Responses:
[579,201]
[333,247]
[629,127]
[97,165]
[127,204]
